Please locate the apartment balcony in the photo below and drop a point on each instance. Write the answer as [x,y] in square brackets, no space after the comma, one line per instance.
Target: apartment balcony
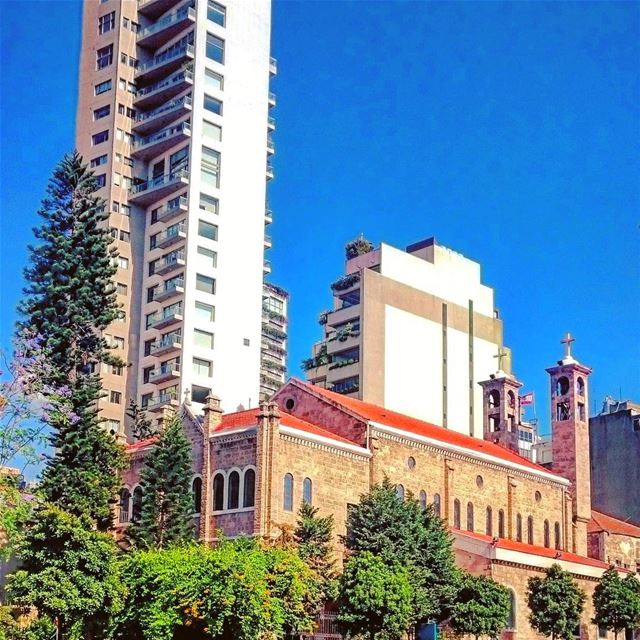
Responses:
[163,320]
[268,242]
[168,344]
[272,99]
[270,172]
[164,63]
[164,373]
[163,115]
[271,123]
[266,266]
[168,290]
[337,370]
[160,92]
[153,190]
[161,141]
[154,8]
[273,66]
[336,342]
[268,216]
[170,262]
[317,373]
[173,209]
[171,236]
[271,147]
[340,316]
[277,318]
[156,34]
[159,402]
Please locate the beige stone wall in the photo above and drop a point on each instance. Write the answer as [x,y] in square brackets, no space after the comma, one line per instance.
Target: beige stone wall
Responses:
[623,551]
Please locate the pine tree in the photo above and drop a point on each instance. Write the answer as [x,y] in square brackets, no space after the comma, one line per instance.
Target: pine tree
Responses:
[556,603]
[616,602]
[166,514]
[403,533]
[313,536]
[69,300]
[141,427]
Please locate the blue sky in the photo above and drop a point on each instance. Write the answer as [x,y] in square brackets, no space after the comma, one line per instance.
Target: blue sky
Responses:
[507,130]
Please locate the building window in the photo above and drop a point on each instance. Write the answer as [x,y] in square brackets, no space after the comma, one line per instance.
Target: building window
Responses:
[489,522]
[212,131]
[98,138]
[469,516]
[479,482]
[123,263]
[202,367]
[518,528]
[205,284]
[233,495]
[136,509]
[501,524]
[207,230]
[115,397]
[199,394]
[125,503]
[422,498]
[113,426]
[562,386]
[530,530]
[121,289]
[102,87]
[437,508]
[216,13]
[210,168]
[547,541]
[556,535]
[101,180]
[213,105]
[456,514]
[106,22]
[104,57]
[218,492]
[100,160]
[196,491]
[117,342]
[101,112]
[125,210]
[208,203]
[287,496]
[215,48]
[511,620]
[205,312]
[208,257]
[203,339]
[117,370]
[213,81]
[307,490]
[249,489]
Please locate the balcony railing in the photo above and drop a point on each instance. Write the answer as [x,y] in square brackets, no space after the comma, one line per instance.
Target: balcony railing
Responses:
[168,289]
[164,89]
[172,209]
[273,66]
[164,372]
[172,235]
[168,343]
[272,99]
[174,20]
[159,187]
[271,123]
[164,113]
[165,58]
[268,216]
[164,319]
[170,262]
[161,141]
[156,403]
[270,172]
[266,266]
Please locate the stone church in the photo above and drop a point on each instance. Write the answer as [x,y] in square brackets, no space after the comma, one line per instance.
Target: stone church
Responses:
[510,518]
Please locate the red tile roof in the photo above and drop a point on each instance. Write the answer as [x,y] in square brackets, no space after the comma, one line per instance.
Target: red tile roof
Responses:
[141,444]
[512,545]
[602,522]
[249,418]
[396,420]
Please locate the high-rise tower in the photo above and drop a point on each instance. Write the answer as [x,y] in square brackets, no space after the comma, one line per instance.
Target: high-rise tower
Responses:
[173,116]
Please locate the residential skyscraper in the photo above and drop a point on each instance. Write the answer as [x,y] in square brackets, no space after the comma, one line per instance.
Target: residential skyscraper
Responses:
[173,116]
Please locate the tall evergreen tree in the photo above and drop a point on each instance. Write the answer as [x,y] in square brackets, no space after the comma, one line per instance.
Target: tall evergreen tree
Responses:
[401,532]
[616,602]
[141,427]
[69,300]
[166,514]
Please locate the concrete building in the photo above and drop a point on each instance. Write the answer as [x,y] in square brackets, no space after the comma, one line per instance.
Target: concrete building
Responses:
[614,436]
[414,331]
[173,116]
[273,359]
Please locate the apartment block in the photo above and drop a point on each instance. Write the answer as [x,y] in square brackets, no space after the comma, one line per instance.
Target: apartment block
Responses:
[273,359]
[414,331]
[174,118]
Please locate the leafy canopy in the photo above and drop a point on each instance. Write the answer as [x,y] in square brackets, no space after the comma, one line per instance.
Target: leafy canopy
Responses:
[617,602]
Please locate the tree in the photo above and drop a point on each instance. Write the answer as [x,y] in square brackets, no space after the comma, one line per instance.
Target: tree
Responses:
[141,427]
[70,298]
[313,536]
[166,514]
[375,598]
[403,533]
[616,602]
[357,247]
[67,571]
[556,603]
[482,607]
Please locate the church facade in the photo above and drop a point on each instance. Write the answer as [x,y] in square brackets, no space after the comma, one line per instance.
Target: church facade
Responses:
[510,518]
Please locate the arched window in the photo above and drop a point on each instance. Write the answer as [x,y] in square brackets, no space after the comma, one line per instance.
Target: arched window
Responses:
[400,491]
[249,491]
[218,492]
[519,528]
[307,490]
[136,506]
[489,522]
[501,524]
[469,516]
[125,500]
[511,397]
[437,509]
[456,514]
[511,620]
[580,386]
[530,529]
[196,491]
[562,386]
[556,536]
[422,498]
[233,495]
[494,399]
[547,542]
[287,496]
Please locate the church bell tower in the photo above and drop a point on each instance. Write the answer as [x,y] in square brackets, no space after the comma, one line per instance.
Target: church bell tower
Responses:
[570,437]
